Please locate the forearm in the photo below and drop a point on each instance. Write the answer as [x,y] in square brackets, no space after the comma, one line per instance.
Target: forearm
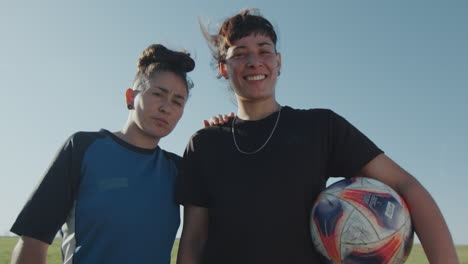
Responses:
[427,219]
[429,224]
[190,251]
[194,235]
[29,251]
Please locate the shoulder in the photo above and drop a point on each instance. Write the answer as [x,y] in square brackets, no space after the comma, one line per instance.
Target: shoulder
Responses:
[311,116]
[171,156]
[313,112]
[82,139]
[213,130]
[83,136]
[211,134]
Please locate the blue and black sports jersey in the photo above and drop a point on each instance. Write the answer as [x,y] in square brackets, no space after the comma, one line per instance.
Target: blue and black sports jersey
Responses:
[113,202]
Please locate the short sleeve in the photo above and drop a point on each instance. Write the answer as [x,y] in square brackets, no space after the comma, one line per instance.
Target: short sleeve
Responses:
[49,205]
[349,149]
[191,188]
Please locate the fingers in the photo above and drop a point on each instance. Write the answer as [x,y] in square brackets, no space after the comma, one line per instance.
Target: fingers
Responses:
[218,120]
[226,118]
[214,121]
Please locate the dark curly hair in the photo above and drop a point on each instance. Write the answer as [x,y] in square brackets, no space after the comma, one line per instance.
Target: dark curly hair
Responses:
[157,58]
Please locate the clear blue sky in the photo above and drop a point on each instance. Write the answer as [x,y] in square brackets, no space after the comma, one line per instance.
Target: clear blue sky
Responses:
[398,70]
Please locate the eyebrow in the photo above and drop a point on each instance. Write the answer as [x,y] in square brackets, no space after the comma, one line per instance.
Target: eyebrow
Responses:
[166,91]
[261,44]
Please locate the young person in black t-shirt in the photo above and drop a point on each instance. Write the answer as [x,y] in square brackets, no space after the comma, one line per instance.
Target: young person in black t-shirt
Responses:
[248,185]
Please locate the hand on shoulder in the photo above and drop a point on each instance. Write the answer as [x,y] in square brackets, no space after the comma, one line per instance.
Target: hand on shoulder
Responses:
[218,120]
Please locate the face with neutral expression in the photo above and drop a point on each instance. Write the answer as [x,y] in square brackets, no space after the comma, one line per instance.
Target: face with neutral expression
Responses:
[252,67]
[159,107]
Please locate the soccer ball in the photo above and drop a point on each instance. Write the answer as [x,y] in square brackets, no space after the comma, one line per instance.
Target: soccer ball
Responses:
[361,220]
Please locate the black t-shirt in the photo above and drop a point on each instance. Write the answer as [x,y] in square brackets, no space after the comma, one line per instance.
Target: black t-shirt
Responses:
[259,204]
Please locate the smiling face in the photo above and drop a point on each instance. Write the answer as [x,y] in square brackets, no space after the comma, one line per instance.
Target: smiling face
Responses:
[252,66]
[160,106]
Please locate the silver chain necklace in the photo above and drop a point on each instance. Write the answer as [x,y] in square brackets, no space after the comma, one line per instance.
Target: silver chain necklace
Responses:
[264,144]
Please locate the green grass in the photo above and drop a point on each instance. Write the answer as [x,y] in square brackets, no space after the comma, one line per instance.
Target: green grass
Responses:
[417,255]
[54,256]
[8,243]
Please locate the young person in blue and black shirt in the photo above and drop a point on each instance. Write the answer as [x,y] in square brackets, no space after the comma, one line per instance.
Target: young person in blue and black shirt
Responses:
[111,193]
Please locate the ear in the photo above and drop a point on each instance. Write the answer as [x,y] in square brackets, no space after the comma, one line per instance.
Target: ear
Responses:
[130,97]
[222,69]
[278,62]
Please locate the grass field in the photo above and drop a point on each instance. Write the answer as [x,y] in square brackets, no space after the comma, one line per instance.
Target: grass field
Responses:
[7,243]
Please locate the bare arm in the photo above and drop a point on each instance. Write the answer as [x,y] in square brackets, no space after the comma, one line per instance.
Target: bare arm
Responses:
[29,251]
[194,235]
[427,219]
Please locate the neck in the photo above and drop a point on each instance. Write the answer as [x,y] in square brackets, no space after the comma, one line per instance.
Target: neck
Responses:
[256,110]
[133,135]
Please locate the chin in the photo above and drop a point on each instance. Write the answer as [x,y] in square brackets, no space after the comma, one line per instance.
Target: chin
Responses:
[257,97]
[160,135]
[156,134]
[259,93]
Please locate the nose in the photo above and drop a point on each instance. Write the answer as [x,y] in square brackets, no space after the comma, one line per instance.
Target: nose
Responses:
[164,107]
[253,60]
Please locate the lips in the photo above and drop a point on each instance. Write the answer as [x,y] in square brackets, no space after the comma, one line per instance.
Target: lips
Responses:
[161,120]
[256,77]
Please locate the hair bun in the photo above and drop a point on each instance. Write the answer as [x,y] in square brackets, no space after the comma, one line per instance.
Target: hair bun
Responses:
[158,54]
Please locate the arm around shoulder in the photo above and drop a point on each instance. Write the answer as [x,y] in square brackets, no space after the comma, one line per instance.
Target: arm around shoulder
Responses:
[434,234]
[194,235]
[29,251]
